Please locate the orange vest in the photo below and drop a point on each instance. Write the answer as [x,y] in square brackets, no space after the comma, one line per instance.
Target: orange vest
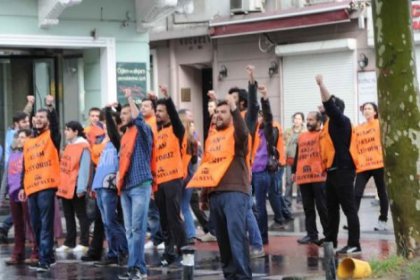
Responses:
[92,131]
[97,151]
[128,141]
[186,157]
[168,156]
[151,121]
[42,166]
[309,163]
[219,153]
[328,151]
[279,145]
[69,166]
[369,147]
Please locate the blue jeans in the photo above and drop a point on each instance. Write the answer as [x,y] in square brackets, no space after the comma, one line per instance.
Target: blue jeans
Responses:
[252,226]
[153,223]
[261,183]
[186,212]
[135,203]
[7,224]
[277,202]
[114,231]
[41,210]
[229,211]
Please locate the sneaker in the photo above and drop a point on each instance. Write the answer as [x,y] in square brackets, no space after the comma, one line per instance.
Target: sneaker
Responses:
[107,262]
[32,261]
[125,276]
[348,250]
[161,246]
[149,245]
[208,237]
[257,253]
[381,226]
[136,274]
[14,261]
[34,266]
[307,240]
[63,249]
[90,258]
[277,226]
[80,248]
[43,268]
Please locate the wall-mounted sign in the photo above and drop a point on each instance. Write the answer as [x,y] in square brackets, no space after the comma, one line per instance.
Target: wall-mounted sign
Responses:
[131,75]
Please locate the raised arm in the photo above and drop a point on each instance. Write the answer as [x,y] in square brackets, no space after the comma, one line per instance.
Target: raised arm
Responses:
[178,127]
[54,123]
[252,114]
[111,128]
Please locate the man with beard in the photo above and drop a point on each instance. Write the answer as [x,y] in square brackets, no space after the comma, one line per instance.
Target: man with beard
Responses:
[40,180]
[169,175]
[308,173]
[224,170]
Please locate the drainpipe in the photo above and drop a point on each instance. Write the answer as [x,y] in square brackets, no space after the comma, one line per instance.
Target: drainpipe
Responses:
[173,71]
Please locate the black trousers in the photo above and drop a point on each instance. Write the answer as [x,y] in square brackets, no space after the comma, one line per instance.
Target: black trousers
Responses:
[71,208]
[168,199]
[96,244]
[359,188]
[313,194]
[199,214]
[340,193]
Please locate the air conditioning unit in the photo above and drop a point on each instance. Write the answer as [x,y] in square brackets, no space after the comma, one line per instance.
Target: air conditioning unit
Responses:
[245,6]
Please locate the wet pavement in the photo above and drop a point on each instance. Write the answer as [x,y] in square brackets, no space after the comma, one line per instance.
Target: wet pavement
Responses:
[284,259]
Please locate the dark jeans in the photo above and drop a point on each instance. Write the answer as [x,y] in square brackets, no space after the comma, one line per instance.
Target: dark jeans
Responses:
[153,223]
[72,208]
[361,181]
[7,224]
[20,217]
[168,199]
[340,193]
[41,209]
[199,214]
[275,196]
[260,183]
[96,244]
[228,210]
[314,194]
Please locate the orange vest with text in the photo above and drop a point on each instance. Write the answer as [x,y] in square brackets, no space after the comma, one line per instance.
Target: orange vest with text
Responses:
[328,151]
[42,166]
[219,154]
[128,141]
[369,147]
[69,167]
[309,163]
[168,156]
[279,145]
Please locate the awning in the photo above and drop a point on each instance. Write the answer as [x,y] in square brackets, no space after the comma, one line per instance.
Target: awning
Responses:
[326,14]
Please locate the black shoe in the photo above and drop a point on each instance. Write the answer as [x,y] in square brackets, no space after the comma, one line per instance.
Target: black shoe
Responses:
[278,226]
[289,219]
[90,258]
[348,250]
[3,237]
[167,260]
[190,241]
[43,268]
[126,275]
[107,262]
[34,266]
[307,240]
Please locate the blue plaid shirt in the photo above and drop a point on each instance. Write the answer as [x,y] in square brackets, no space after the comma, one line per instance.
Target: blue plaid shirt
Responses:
[140,171]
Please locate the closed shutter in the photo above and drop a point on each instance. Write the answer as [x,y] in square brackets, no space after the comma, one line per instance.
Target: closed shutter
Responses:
[301,93]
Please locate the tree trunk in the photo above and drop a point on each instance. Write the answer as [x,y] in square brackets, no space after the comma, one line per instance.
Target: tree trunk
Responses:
[399,104]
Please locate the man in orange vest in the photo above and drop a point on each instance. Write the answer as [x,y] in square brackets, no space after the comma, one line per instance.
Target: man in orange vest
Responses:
[134,184]
[224,170]
[336,141]
[169,176]
[94,131]
[40,180]
[308,173]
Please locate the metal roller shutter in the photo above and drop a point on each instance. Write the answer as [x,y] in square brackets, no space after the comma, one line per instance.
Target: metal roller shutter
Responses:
[301,94]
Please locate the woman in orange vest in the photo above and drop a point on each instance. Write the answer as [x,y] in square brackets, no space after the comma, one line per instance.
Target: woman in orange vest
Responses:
[371,163]
[75,167]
